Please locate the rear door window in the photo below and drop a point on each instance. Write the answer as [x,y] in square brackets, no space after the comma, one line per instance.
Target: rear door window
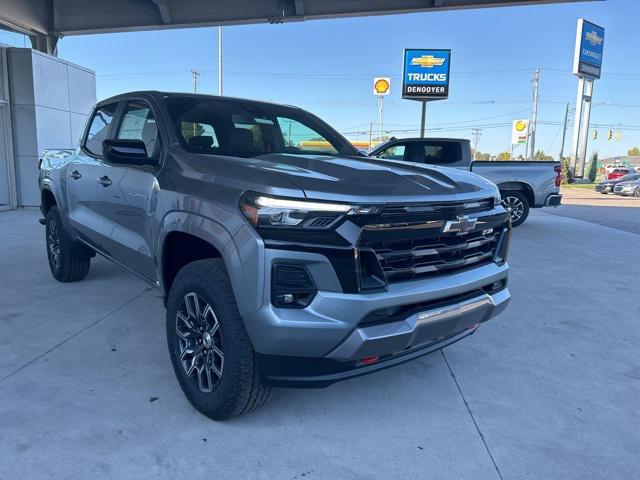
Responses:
[442,152]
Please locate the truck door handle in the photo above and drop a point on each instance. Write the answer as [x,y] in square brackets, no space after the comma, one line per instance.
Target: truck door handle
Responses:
[104,181]
[75,174]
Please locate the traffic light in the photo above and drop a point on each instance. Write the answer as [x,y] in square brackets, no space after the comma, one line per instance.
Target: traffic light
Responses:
[610,135]
[595,134]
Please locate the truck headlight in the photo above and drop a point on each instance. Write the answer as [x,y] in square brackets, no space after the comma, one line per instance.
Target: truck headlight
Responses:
[497,199]
[279,212]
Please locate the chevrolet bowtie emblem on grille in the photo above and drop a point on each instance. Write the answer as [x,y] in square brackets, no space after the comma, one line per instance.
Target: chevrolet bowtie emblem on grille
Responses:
[462,224]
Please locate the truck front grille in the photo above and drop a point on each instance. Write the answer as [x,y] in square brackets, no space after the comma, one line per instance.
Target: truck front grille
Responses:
[433,256]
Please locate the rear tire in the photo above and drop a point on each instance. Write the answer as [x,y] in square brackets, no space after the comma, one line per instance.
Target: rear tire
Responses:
[637,192]
[210,349]
[517,205]
[69,260]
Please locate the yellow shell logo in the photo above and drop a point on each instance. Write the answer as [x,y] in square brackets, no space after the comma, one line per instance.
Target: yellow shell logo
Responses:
[381,86]
[520,125]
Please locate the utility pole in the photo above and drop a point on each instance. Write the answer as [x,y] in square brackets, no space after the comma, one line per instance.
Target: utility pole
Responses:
[195,74]
[534,121]
[219,60]
[380,97]
[476,132]
[370,134]
[564,131]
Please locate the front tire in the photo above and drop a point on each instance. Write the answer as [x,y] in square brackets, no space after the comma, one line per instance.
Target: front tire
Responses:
[637,192]
[68,260]
[517,205]
[210,349]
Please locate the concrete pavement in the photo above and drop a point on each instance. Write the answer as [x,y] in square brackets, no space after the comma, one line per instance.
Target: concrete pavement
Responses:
[547,390]
[608,210]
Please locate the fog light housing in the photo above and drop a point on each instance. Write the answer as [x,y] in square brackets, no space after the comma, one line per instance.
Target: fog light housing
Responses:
[291,286]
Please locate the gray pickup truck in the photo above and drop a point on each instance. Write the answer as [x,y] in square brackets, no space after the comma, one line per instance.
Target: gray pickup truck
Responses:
[523,185]
[280,265]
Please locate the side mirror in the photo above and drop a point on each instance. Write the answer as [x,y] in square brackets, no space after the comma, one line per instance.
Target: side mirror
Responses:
[125,151]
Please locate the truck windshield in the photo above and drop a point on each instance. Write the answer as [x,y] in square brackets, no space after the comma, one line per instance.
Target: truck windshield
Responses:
[240,128]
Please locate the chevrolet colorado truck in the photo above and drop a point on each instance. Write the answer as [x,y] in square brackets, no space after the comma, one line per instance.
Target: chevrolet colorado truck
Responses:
[523,185]
[279,265]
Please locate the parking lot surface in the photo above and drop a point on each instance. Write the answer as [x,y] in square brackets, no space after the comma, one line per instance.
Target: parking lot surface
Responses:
[609,210]
[547,390]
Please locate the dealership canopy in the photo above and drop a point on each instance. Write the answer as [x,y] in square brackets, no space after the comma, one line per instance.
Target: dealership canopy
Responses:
[45,21]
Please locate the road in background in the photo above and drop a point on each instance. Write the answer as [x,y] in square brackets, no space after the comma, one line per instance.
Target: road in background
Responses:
[548,389]
[614,211]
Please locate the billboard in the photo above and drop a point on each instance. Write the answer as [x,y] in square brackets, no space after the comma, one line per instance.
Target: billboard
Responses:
[587,58]
[519,132]
[381,86]
[426,74]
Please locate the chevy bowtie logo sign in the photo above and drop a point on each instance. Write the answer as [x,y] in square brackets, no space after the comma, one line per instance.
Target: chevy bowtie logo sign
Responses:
[427,61]
[426,74]
[587,57]
[460,225]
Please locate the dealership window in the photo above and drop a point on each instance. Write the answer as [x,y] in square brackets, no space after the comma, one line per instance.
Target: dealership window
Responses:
[99,128]
[138,123]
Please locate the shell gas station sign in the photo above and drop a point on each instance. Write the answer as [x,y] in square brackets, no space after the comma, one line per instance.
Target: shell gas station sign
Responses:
[381,86]
[519,132]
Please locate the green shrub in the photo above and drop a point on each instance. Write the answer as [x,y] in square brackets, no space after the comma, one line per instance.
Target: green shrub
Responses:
[593,167]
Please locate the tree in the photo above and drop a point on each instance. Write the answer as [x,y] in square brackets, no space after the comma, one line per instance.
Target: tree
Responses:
[190,129]
[504,156]
[634,152]
[593,167]
[481,156]
[566,172]
[540,155]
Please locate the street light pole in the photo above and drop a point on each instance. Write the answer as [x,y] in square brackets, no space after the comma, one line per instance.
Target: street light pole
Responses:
[564,131]
[476,132]
[423,120]
[534,121]
[195,73]
[219,60]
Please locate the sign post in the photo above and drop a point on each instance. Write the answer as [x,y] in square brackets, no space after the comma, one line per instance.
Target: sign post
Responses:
[425,77]
[587,66]
[381,88]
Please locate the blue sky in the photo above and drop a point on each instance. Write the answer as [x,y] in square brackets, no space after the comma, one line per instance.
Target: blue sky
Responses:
[327,66]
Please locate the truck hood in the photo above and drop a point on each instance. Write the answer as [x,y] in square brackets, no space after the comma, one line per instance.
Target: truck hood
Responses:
[369,180]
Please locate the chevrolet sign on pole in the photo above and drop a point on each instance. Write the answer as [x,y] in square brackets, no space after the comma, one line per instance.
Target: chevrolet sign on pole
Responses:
[426,74]
[425,77]
[587,58]
[587,65]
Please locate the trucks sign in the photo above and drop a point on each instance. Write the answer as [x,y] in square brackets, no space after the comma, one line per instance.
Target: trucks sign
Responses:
[587,59]
[426,74]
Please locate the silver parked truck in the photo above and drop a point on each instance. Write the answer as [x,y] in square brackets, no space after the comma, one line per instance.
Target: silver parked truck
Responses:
[523,184]
[281,263]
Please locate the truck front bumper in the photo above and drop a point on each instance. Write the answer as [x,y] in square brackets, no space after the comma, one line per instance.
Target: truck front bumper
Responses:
[372,348]
[342,335]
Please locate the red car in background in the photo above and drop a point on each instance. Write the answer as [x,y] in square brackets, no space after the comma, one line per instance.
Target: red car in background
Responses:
[619,172]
